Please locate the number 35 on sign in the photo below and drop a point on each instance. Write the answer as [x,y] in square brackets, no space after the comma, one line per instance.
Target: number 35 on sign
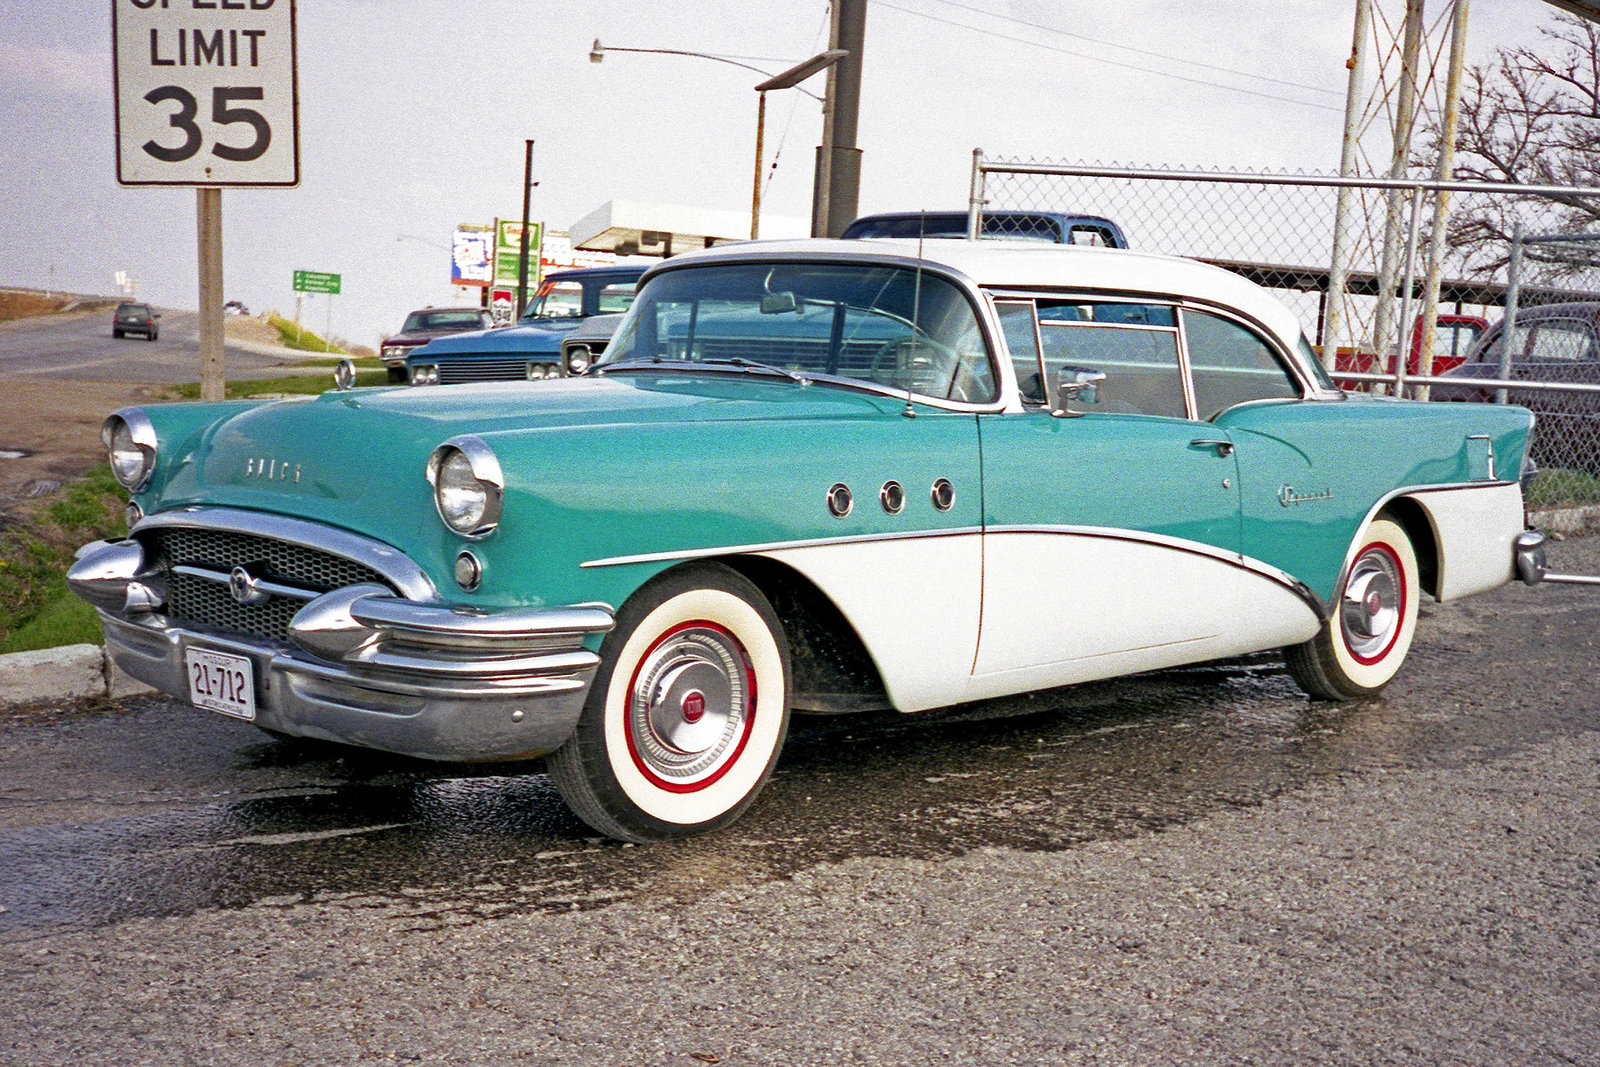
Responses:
[206,92]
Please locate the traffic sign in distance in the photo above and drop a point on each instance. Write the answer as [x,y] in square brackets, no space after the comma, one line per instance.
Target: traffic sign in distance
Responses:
[315,281]
[206,92]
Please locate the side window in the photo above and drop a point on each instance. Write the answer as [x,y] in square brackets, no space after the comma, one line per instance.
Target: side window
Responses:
[615,297]
[1134,345]
[1231,365]
[1022,338]
[1560,343]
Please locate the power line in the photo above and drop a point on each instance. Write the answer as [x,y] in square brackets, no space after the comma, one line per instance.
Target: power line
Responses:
[1139,51]
[1102,59]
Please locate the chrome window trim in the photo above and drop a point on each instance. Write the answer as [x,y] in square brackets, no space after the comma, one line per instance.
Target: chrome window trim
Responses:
[977,297]
[395,566]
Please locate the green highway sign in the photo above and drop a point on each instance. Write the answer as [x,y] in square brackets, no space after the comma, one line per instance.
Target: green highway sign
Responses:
[315,281]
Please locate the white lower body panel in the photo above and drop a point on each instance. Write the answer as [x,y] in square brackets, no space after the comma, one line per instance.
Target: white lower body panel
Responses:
[1475,528]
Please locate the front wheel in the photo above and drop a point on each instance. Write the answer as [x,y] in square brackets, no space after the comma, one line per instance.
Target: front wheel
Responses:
[686,714]
[1361,648]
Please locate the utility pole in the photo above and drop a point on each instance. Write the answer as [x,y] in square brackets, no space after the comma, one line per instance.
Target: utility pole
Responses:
[522,263]
[836,193]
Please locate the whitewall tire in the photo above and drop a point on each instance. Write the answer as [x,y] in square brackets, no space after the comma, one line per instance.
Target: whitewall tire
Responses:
[1362,647]
[686,714]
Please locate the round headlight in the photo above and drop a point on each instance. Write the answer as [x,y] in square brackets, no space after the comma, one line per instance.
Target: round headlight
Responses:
[130,443]
[535,372]
[578,359]
[467,485]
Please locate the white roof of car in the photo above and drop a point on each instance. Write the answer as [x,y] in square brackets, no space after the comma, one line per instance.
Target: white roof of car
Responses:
[1017,264]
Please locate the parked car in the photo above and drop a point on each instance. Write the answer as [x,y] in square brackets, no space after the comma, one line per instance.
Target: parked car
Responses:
[1047,226]
[584,344]
[814,476]
[423,326]
[235,307]
[136,318]
[532,347]
[1556,343]
[1454,336]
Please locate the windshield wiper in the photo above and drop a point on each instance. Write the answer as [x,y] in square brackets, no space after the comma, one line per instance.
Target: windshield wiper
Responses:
[753,365]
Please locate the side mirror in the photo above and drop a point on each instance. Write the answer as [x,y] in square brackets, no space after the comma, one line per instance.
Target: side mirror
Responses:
[1077,385]
[778,303]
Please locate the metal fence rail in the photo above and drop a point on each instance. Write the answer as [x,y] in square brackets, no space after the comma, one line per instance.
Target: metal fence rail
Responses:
[1369,265]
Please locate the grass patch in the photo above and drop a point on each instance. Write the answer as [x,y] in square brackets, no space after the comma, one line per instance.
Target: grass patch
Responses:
[1560,488]
[36,610]
[300,338]
[368,372]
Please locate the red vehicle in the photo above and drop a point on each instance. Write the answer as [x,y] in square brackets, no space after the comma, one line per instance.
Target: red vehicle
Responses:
[1453,339]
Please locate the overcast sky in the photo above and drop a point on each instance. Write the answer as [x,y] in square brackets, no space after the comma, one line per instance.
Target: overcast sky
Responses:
[414,113]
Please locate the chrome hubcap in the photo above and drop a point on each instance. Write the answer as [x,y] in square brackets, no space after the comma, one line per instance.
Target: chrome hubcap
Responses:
[1374,600]
[690,705]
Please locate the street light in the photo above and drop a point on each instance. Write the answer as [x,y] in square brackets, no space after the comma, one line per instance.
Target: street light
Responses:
[788,79]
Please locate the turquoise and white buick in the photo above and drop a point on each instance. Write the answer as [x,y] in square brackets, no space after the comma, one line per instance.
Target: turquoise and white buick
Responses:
[806,476]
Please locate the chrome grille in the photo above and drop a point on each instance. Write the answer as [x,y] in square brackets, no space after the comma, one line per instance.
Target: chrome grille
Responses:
[486,370]
[193,599]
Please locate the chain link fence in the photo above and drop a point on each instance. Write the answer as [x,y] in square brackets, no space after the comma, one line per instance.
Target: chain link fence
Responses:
[1373,268]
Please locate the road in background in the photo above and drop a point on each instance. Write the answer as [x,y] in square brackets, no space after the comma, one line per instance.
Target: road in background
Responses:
[1191,866]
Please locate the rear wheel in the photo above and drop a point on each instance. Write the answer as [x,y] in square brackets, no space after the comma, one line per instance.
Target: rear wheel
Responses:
[1362,647]
[687,711]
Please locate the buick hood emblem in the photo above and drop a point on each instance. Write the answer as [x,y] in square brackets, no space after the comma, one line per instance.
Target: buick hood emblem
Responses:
[246,587]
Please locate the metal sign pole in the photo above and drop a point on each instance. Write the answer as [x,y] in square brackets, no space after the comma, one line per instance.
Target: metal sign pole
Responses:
[208,209]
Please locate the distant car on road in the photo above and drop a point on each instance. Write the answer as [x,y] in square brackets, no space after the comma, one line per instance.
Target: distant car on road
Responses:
[1048,226]
[423,326]
[532,347]
[135,318]
[235,307]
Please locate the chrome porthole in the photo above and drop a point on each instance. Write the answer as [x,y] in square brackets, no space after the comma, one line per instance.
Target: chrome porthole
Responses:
[944,494]
[839,500]
[892,497]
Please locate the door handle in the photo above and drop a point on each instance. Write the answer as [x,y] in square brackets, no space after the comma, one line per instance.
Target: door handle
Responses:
[1224,448]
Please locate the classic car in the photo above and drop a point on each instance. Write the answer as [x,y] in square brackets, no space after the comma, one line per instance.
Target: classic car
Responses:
[423,326]
[135,318]
[1052,226]
[531,348]
[1557,344]
[805,476]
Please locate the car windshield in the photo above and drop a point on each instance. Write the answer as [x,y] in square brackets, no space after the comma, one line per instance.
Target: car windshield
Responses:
[466,319]
[895,327]
[557,300]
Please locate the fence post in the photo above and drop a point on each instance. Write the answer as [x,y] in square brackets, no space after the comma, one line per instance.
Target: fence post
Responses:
[1405,121]
[1508,326]
[975,197]
[1441,198]
[1339,268]
[1402,354]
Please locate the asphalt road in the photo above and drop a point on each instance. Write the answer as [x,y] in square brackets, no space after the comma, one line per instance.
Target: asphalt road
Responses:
[1189,867]
[79,346]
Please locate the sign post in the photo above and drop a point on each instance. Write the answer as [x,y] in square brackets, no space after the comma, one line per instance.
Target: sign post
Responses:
[206,97]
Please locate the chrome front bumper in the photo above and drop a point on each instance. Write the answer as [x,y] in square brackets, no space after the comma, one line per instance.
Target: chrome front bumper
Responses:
[365,667]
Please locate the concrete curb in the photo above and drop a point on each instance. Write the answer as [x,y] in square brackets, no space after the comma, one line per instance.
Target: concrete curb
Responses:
[59,675]
[1569,522]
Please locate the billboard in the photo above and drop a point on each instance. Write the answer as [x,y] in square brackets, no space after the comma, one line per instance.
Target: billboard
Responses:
[470,252]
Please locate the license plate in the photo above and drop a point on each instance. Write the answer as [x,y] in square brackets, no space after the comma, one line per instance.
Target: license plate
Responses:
[221,682]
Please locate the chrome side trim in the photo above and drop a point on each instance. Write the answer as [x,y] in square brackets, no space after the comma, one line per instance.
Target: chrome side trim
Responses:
[1255,566]
[775,546]
[394,565]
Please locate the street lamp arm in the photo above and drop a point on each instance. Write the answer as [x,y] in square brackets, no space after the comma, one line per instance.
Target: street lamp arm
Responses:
[598,52]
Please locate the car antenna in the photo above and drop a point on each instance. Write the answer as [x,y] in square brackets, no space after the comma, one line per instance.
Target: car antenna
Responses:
[916,313]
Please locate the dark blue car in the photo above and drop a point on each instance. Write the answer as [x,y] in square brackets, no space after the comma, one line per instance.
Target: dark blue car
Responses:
[532,347]
[1054,227]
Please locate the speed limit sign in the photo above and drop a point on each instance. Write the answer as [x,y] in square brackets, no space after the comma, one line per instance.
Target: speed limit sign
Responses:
[206,92]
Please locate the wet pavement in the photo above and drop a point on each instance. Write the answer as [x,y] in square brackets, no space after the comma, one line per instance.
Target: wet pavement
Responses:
[156,809]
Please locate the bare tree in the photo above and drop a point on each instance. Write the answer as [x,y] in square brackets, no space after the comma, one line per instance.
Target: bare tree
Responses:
[1530,116]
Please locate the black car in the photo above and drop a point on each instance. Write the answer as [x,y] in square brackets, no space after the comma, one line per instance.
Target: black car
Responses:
[135,318]
[1555,343]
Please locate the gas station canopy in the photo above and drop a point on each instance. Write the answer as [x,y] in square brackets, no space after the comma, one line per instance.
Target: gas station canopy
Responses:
[632,227]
